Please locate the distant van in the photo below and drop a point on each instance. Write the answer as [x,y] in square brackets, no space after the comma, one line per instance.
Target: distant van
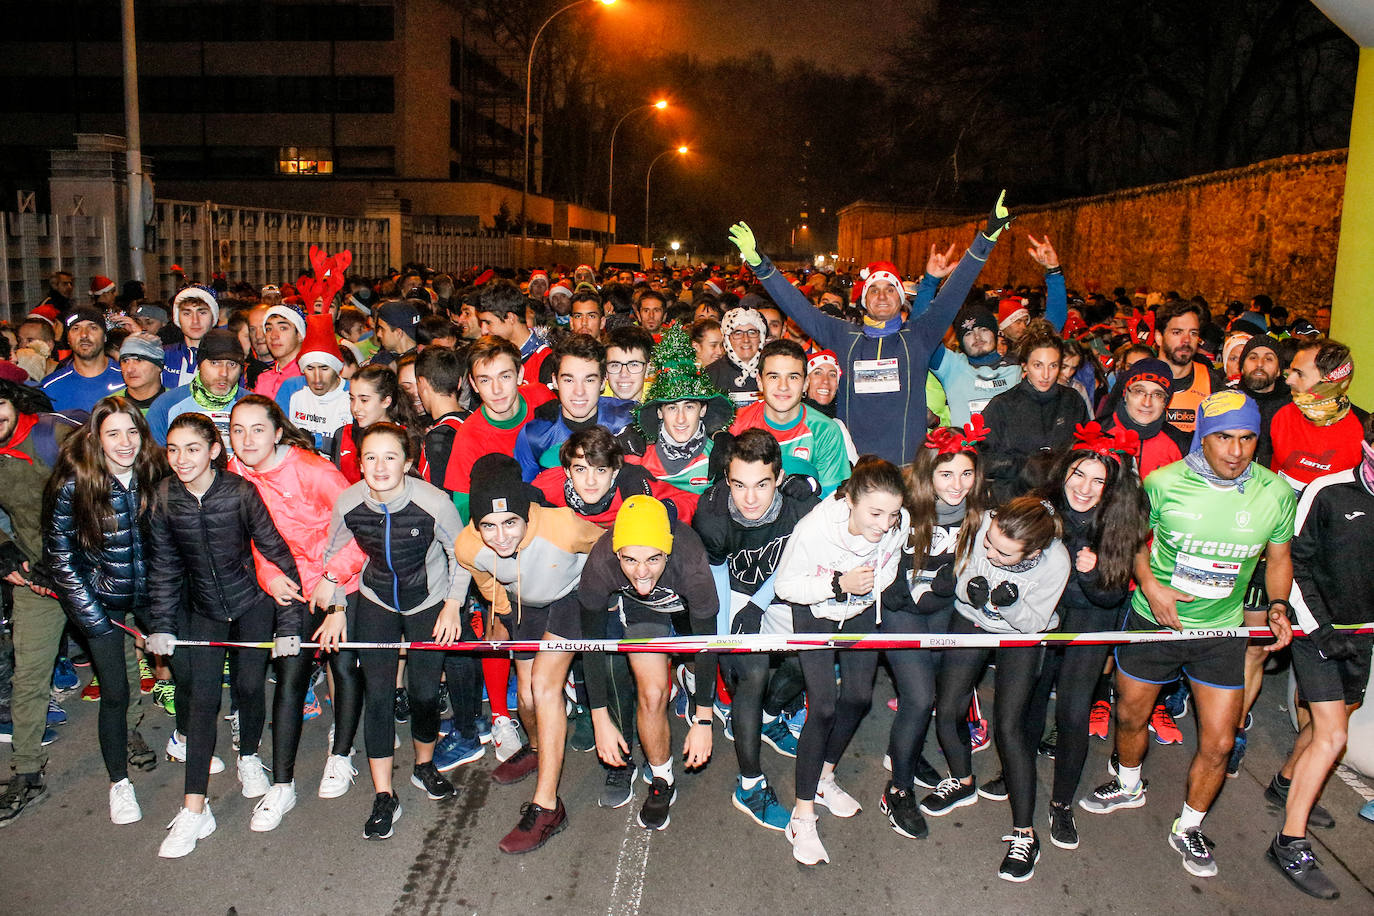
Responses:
[627,257]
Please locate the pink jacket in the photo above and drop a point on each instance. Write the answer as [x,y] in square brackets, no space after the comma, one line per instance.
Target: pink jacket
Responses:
[300,492]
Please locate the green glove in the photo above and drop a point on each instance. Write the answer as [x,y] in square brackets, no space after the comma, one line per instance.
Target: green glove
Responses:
[743,237]
[999,219]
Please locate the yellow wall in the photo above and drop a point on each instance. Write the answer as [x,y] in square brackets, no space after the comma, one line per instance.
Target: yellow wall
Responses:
[1352,307]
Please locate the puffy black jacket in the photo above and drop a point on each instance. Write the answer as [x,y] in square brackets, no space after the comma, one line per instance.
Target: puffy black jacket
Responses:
[112,580]
[1025,427]
[206,545]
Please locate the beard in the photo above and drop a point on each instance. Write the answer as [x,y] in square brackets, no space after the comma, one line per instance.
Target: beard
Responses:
[1258,380]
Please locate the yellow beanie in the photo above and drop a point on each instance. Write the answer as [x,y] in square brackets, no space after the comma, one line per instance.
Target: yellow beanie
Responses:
[642,522]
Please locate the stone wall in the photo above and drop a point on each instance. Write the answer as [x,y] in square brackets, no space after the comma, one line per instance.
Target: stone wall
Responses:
[1270,227]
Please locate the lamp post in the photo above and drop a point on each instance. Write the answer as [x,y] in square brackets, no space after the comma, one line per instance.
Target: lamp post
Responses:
[681,151]
[529,81]
[610,178]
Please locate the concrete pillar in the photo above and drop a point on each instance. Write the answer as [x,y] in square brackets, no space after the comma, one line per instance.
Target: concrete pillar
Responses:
[1352,318]
[90,180]
[390,206]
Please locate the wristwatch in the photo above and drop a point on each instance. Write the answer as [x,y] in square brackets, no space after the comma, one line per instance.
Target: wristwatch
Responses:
[706,722]
[835,584]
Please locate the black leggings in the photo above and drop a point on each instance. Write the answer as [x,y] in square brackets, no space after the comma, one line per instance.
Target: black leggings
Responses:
[914,671]
[960,671]
[786,688]
[833,714]
[463,680]
[373,623]
[747,677]
[205,670]
[107,658]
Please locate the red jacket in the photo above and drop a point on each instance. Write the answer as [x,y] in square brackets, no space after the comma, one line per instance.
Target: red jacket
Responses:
[632,480]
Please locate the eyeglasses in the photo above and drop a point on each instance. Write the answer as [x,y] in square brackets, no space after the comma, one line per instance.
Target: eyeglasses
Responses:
[634,367]
[751,333]
[1147,394]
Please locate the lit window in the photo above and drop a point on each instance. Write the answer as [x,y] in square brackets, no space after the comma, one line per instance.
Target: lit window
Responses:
[305,160]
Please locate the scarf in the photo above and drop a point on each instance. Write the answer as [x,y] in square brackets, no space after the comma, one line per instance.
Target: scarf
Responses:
[675,457]
[741,319]
[768,518]
[1197,463]
[1036,395]
[1146,432]
[1327,403]
[827,409]
[1365,472]
[205,398]
[945,514]
[22,426]
[882,328]
[581,506]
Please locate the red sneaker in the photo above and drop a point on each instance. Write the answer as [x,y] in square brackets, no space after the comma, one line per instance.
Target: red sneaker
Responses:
[1162,724]
[145,678]
[516,768]
[1100,719]
[92,691]
[536,826]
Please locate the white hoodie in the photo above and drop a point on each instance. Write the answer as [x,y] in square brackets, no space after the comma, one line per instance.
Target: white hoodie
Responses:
[821,546]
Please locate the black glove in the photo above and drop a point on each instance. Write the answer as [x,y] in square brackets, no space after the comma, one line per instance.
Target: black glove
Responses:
[12,559]
[999,218]
[977,591]
[1005,595]
[942,585]
[748,620]
[1334,644]
[800,486]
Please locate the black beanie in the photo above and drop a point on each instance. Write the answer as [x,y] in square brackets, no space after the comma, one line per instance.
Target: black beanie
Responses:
[1257,342]
[974,316]
[219,343]
[498,487]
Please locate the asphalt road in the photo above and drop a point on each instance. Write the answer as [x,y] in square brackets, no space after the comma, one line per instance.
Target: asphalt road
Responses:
[66,857]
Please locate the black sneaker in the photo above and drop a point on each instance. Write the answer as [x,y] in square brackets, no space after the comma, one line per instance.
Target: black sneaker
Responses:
[427,776]
[141,756]
[1019,862]
[927,777]
[948,795]
[582,736]
[386,811]
[1048,744]
[653,814]
[903,813]
[402,705]
[1277,796]
[1063,830]
[994,789]
[1300,866]
[619,787]
[25,791]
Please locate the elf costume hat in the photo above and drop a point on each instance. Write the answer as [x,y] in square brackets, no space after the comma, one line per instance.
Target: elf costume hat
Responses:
[679,378]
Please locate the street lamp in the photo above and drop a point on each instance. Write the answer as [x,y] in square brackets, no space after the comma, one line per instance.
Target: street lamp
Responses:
[676,246]
[529,80]
[681,151]
[610,179]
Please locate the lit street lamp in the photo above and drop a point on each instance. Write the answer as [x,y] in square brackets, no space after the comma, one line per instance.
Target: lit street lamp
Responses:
[610,179]
[529,80]
[681,151]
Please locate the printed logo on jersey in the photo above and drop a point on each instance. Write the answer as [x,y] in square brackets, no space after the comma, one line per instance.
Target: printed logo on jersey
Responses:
[802,452]
[1351,516]
[1242,520]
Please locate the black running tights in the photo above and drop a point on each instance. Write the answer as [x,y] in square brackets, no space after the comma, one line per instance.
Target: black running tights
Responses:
[914,671]
[107,658]
[747,677]
[374,623]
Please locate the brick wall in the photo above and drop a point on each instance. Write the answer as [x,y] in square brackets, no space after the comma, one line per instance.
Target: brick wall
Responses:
[1270,227]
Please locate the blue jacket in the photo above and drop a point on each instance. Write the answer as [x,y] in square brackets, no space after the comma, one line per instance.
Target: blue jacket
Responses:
[178,366]
[547,430]
[172,404]
[888,423]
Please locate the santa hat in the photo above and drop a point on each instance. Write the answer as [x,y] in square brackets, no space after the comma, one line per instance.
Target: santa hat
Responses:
[485,276]
[291,315]
[562,288]
[1011,310]
[823,358]
[198,293]
[641,278]
[101,285]
[880,271]
[1073,324]
[48,313]
[714,286]
[320,347]
[539,275]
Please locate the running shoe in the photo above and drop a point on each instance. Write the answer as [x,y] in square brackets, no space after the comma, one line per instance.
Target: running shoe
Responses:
[537,825]
[445,705]
[948,795]
[381,823]
[1195,849]
[583,733]
[426,776]
[518,767]
[483,729]
[619,787]
[145,677]
[994,789]
[165,695]
[187,828]
[23,793]
[1100,719]
[506,738]
[1276,795]
[453,750]
[339,773]
[311,709]
[91,692]
[1048,744]
[1063,830]
[903,813]
[141,756]
[80,659]
[224,676]
[760,803]
[840,802]
[275,805]
[806,840]
[685,686]
[253,776]
[724,713]
[1163,726]
[234,728]
[7,734]
[978,735]
[1176,700]
[64,675]
[1237,756]
[402,705]
[1019,863]
[927,777]
[653,814]
[1366,812]
[779,737]
[1111,796]
[892,704]
[1300,865]
[56,714]
[176,752]
[797,720]
[124,807]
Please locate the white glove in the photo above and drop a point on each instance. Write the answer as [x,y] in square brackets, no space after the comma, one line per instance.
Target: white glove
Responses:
[160,644]
[283,646]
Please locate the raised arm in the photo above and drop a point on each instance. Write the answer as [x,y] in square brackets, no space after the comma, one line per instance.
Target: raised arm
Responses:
[825,329]
[1056,297]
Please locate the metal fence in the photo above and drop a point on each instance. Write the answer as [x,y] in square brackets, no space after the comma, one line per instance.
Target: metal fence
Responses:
[456,250]
[34,245]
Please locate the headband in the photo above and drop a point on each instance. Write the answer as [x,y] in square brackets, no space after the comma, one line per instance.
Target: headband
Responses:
[1121,443]
[948,440]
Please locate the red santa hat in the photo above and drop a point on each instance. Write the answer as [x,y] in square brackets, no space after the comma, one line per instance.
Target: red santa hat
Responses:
[823,358]
[714,286]
[1073,324]
[101,285]
[1011,310]
[48,313]
[539,275]
[485,276]
[563,287]
[320,347]
[880,271]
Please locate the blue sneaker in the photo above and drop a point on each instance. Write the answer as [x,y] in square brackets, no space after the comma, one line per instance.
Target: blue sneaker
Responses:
[1237,756]
[56,714]
[483,729]
[723,713]
[64,675]
[1367,812]
[312,708]
[512,695]
[779,737]
[761,804]
[453,750]
[7,734]
[796,720]
[1176,701]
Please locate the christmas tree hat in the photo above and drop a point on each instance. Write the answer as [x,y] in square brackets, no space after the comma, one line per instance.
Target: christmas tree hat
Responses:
[679,378]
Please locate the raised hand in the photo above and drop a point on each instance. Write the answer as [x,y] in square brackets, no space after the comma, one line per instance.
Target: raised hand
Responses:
[941,265]
[743,238]
[1042,252]
[999,219]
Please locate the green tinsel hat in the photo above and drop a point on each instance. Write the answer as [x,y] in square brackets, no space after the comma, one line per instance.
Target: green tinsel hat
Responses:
[679,378]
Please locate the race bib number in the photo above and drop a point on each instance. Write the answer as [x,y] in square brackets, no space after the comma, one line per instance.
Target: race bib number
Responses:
[977,405]
[1202,577]
[874,376]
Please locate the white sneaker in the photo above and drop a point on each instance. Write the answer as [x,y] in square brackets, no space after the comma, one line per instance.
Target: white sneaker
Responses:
[176,750]
[806,840]
[339,773]
[253,776]
[124,807]
[506,738]
[279,799]
[840,802]
[187,828]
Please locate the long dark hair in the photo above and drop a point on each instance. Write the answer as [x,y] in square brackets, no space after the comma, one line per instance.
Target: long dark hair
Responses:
[872,473]
[204,427]
[291,434]
[921,499]
[81,459]
[388,385]
[1122,521]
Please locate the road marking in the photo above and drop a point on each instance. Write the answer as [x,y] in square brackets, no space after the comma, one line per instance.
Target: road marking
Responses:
[1352,779]
[627,891]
